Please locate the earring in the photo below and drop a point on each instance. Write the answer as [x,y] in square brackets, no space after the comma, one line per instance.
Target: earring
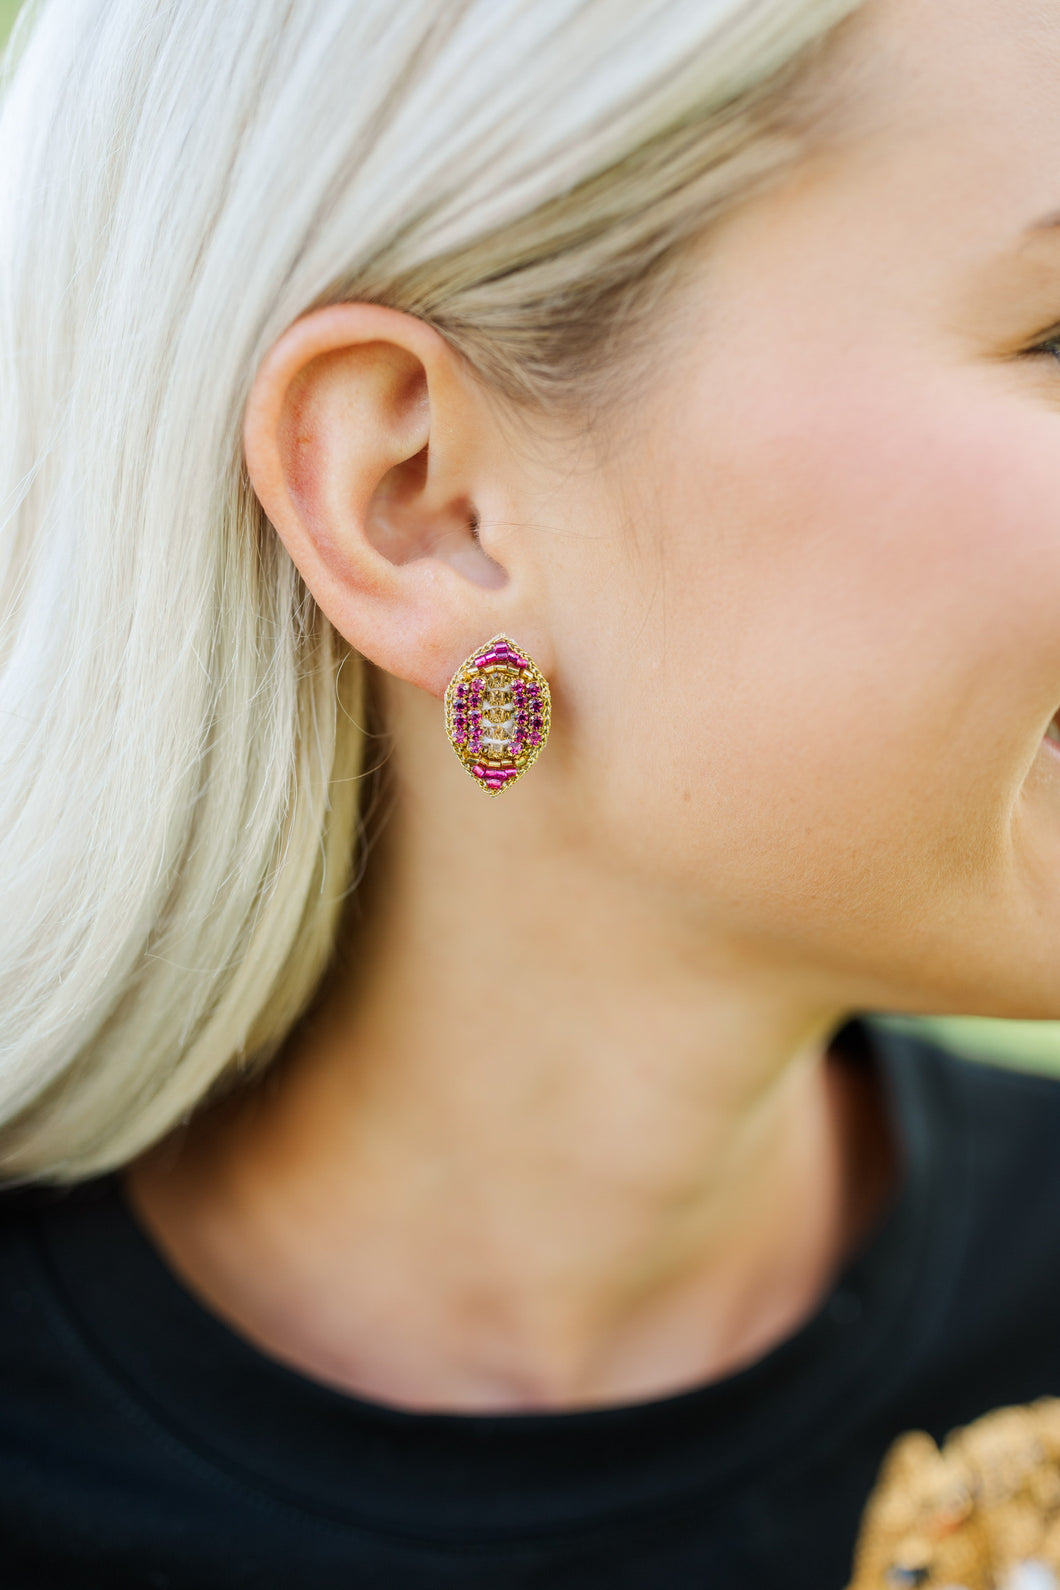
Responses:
[498,711]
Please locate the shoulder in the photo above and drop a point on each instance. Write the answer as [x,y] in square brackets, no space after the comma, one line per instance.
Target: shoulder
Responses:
[994,1134]
[31,1316]
[25,1208]
[1006,1120]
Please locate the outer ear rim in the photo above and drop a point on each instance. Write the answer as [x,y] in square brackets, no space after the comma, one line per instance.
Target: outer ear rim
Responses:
[314,334]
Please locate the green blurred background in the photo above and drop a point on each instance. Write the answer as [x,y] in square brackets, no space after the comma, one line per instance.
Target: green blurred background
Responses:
[8,12]
[1033,1045]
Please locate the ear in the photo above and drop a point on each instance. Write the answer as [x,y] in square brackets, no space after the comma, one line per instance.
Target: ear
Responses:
[366,439]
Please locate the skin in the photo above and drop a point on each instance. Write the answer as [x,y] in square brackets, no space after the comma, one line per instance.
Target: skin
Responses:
[569,1131]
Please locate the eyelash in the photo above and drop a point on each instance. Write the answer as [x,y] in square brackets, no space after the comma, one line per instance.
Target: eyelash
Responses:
[1050,346]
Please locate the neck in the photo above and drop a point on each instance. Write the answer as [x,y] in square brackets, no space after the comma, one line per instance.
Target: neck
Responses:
[529,1156]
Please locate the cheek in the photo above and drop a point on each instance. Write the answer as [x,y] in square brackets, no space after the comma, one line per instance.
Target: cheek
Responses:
[853,645]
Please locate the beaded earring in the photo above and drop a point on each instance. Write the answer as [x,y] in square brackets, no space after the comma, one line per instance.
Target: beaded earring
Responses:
[498,710]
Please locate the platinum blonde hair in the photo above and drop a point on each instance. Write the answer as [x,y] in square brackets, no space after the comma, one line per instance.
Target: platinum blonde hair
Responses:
[181,732]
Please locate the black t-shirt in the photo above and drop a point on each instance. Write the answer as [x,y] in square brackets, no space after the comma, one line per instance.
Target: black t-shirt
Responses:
[145,1443]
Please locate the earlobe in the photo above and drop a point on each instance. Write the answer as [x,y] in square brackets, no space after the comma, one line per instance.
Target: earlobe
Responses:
[359,441]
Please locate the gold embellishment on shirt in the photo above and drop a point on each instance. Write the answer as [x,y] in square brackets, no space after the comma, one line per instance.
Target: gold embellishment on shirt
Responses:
[981,1513]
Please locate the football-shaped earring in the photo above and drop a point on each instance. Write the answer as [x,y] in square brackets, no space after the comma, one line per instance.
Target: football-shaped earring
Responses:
[497,714]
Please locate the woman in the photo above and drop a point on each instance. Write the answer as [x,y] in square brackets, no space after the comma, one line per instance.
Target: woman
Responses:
[422,1179]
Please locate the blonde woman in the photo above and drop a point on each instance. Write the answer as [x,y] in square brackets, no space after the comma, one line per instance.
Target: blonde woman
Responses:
[430,1166]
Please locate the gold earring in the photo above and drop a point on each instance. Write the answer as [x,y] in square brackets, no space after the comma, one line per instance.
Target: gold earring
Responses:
[498,711]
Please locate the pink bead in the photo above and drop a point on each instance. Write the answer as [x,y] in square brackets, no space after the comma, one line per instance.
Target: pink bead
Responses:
[501,654]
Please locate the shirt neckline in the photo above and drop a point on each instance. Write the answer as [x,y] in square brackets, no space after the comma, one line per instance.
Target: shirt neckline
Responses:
[499,1476]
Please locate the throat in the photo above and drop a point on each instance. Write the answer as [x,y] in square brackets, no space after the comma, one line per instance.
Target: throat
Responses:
[415,1290]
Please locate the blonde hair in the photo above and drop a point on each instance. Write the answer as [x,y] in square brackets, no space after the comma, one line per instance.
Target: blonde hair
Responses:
[182,732]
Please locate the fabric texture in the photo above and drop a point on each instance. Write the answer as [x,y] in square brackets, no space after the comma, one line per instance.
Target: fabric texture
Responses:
[145,1443]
